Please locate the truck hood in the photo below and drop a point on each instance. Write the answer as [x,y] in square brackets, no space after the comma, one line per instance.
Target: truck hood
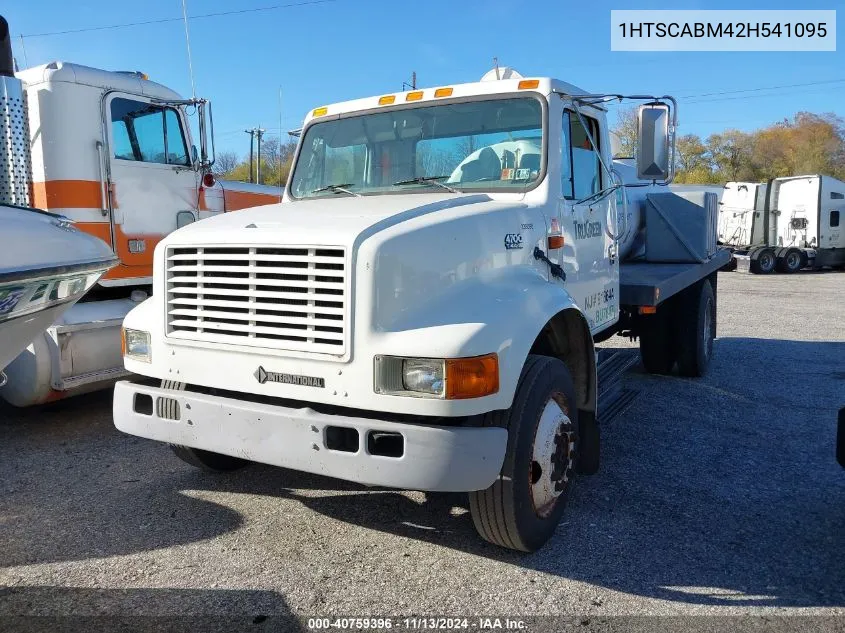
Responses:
[328,221]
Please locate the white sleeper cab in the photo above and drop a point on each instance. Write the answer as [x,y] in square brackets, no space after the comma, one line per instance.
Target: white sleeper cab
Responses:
[421,310]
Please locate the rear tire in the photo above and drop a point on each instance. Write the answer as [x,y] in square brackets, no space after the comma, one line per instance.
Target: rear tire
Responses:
[763,261]
[522,508]
[792,261]
[657,341]
[696,329]
[208,461]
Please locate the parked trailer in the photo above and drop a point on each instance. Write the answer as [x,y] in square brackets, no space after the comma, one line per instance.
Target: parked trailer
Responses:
[113,152]
[424,315]
[786,224]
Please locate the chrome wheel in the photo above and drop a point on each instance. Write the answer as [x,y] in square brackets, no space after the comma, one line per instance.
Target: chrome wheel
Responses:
[553,456]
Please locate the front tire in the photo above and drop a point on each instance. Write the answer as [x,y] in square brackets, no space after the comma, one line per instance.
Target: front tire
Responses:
[208,461]
[522,508]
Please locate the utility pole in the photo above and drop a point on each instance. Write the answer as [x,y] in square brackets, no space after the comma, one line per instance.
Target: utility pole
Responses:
[413,84]
[251,143]
[259,132]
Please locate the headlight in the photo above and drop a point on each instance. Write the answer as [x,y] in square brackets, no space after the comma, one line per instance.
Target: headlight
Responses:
[423,375]
[136,345]
[445,378]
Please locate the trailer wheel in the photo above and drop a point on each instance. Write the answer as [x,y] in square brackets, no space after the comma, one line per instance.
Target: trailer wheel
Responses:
[763,261]
[792,261]
[208,461]
[696,329]
[522,508]
[657,342]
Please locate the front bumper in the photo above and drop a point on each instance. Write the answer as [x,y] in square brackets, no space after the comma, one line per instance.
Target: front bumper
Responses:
[436,458]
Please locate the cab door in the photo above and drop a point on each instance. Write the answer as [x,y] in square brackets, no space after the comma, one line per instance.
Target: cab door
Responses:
[588,256]
[153,187]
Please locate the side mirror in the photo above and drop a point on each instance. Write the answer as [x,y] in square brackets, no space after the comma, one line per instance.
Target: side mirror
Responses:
[184,218]
[654,153]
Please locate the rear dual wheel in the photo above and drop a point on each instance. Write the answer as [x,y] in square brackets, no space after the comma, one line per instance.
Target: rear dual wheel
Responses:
[682,331]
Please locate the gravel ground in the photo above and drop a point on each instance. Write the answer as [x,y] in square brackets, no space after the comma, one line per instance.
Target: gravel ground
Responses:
[716,496]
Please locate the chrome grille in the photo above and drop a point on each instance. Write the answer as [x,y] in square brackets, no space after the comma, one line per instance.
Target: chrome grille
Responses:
[283,297]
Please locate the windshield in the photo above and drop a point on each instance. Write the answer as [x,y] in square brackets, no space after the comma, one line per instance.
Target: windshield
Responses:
[484,145]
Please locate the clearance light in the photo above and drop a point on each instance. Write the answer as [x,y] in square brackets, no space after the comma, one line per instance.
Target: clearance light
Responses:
[555,241]
[414,96]
[528,84]
[443,92]
[386,100]
[320,111]
[648,310]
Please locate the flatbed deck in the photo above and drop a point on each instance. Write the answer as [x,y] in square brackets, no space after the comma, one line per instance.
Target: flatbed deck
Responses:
[649,284]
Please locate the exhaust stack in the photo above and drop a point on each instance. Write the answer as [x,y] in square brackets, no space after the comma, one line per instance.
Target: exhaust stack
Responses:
[15,157]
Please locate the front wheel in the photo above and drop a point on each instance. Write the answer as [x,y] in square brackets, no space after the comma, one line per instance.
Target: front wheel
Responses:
[522,508]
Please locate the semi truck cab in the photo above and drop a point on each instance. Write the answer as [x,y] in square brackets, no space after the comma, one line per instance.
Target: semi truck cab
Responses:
[421,311]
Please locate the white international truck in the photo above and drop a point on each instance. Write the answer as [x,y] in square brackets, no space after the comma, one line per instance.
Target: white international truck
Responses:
[113,153]
[786,224]
[421,311]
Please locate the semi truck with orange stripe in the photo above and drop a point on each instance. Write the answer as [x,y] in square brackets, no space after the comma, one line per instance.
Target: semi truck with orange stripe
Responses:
[114,153]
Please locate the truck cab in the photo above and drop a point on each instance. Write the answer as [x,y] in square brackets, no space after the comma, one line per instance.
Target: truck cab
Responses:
[114,153]
[420,314]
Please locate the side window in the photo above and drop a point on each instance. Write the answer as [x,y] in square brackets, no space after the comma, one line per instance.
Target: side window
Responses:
[586,168]
[835,195]
[147,133]
[834,219]
[566,159]
[177,153]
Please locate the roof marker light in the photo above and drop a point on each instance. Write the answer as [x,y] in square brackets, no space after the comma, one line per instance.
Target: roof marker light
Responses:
[320,111]
[386,100]
[528,84]
[414,96]
[443,92]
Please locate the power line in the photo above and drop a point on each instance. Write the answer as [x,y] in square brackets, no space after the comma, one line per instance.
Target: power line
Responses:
[191,17]
[731,92]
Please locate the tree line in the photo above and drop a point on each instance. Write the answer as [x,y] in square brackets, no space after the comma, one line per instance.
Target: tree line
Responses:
[276,162]
[807,143]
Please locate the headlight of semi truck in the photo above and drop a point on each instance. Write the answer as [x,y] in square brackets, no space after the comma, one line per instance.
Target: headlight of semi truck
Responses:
[136,345]
[445,378]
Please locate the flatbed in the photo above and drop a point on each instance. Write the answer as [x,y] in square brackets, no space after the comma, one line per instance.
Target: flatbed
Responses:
[649,284]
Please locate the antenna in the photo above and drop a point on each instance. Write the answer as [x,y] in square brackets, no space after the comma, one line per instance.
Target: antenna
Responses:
[496,66]
[188,44]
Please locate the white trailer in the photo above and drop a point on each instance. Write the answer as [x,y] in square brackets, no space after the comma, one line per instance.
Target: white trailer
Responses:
[786,224]
[423,314]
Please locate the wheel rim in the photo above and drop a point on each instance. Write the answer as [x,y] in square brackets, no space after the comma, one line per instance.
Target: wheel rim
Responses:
[766,260]
[708,328]
[552,457]
[793,260]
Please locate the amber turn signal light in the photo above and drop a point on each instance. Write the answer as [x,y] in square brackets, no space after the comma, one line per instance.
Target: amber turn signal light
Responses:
[555,241]
[472,377]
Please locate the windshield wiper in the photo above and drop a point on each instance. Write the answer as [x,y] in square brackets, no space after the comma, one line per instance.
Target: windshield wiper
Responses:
[427,180]
[342,187]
